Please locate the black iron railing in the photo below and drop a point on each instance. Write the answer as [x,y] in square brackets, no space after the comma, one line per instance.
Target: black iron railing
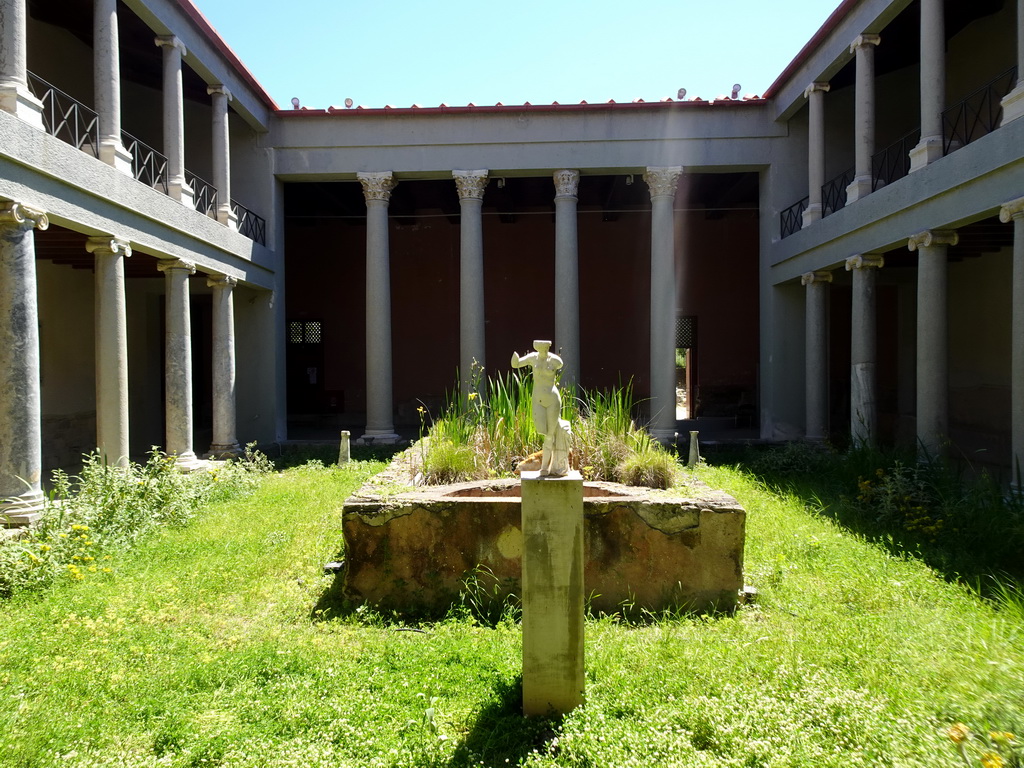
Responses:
[148,165]
[833,193]
[204,194]
[893,162]
[64,117]
[249,224]
[977,115]
[792,218]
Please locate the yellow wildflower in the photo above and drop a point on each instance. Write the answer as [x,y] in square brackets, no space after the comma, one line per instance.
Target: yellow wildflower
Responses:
[958,732]
[1001,737]
[472,395]
[992,760]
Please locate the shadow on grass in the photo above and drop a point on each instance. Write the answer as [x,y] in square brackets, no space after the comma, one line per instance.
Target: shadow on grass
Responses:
[500,735]
[288,455]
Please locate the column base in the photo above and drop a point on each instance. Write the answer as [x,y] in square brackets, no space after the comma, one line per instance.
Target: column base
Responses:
[227,216]
[811,215]
[19,101]
[21,511]
[664,436]
[113,153]
[379,437]
[1013,104]
[189,462]
[925,153]
[861,187]
[224,451]
[182,192]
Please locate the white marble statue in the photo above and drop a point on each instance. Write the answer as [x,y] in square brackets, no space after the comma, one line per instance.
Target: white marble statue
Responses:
[547,408]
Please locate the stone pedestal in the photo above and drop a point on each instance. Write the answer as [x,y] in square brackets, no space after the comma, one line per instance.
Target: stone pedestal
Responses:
[552,593]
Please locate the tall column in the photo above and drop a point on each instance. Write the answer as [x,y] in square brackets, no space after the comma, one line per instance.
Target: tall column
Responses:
[15,96]
[107,85]
[933,84]
[863,358]
[222,154]
[1014,211]
[815,95]
[380,427]
[111,348]
[225,444]
[567,276]
[662,183]
[472,336]
[174,119]
[863,116]
[178,362]
[932,339]
[1013,102]
[21,455]
[816,355]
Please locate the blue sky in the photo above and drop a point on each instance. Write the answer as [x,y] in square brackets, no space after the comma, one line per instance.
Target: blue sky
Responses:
[402,52]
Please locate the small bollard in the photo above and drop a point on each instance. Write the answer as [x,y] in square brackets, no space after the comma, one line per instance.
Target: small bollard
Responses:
[344,452]
[694,451]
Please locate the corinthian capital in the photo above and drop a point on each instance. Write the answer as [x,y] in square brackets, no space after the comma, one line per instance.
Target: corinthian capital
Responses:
[662,181]
[566,182]
[865,261]
[106,245]
[377,185]
[24,216]
[809,278]
[932,237]
[471,184]
[1011,210]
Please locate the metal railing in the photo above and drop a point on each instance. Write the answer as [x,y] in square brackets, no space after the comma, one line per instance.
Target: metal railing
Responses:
[66,118]
[893,162]
[148,165]
[792,218]
[249,224]
[977,115]
[833,193]
[203,193]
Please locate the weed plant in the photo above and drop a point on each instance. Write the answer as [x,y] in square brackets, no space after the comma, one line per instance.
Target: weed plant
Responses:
[88,517]
[490,430]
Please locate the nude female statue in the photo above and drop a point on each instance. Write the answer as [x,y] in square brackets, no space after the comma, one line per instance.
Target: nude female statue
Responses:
[547,408]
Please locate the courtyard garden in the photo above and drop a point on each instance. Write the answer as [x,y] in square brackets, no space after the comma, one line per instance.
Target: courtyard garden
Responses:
[174,622]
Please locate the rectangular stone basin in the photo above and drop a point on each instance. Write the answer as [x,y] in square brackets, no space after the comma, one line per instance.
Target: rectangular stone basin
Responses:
[410,549]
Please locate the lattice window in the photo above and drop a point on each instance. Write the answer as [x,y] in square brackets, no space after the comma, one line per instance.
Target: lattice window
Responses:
[305,332]
[686,332]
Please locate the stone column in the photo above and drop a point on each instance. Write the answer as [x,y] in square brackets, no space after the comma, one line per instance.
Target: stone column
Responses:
[21,455]
[816,355]
[1013,102]
[222,155]
[863,358]
[1014,211]
[15,96]
[864,116]
[380,427]
[178,362]
[933,84]
[174,120]
[662,183]
[111,348]
[107,85]
[932,339]
[567,277]
[815,95]
[472,319]
[225,444]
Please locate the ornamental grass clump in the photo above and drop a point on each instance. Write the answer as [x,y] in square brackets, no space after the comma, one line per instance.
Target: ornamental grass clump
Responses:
[106,508]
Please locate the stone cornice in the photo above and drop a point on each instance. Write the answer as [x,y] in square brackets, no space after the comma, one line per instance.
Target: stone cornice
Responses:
[1014,209]
[816,88]
[809,278]
[108,245]
[470,184]
[567,182]
[865,261]
[221,281]
[24,216]
[170,41]
[863,41]
[662,181]
[217,88]
[377,185]
[168,265]
[932,237]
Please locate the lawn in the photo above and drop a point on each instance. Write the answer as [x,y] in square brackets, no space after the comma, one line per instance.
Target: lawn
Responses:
[208,645]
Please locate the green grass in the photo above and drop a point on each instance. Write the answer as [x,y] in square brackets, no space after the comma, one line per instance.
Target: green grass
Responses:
[204,647]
